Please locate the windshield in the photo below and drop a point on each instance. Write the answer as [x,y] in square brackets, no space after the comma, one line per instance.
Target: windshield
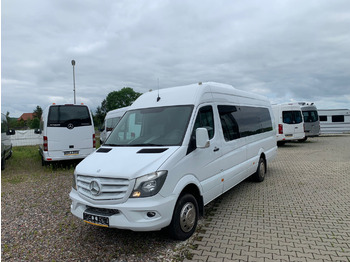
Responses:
[159,126]
[310,116]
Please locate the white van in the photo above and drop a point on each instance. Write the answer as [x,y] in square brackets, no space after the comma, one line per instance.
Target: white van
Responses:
[289,122]
[111,120]
[311,119]
[67,133]
[173,153]
[6,144]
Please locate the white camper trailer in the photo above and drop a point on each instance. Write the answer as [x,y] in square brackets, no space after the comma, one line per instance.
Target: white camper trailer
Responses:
[289,122]
[171,154]
[334,121]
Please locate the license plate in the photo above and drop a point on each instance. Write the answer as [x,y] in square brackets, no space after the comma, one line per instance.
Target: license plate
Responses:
[71,153]
[96,220]
[289,135]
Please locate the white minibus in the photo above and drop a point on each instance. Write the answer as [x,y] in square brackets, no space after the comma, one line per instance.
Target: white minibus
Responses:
[111,120]
[289,122]
[172,153]
[67,133]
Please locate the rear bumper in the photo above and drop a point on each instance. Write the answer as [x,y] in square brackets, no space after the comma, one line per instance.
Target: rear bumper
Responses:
[49,156]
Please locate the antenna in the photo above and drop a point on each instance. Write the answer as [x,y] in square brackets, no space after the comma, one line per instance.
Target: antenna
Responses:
[158,98]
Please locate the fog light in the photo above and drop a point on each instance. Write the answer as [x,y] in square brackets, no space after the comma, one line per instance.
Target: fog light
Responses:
[151,214]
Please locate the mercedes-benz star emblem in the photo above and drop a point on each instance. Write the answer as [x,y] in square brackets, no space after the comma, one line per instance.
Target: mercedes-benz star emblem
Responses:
[70,126]
[95,187]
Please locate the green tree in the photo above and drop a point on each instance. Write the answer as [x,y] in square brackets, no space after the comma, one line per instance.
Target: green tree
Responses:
[114,100]
[38,112]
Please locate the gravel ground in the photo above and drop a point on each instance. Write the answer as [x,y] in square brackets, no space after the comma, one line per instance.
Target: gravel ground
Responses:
[37,224]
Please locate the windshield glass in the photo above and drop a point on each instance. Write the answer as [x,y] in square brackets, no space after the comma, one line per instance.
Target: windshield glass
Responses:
[310,116]
[159,126]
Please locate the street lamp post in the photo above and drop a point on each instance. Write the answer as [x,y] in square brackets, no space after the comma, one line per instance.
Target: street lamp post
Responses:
[73,64]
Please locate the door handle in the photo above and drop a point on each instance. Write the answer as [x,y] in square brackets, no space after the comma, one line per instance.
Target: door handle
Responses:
[216,149]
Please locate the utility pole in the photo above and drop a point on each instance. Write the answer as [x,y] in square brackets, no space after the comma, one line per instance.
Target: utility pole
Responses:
[73,64]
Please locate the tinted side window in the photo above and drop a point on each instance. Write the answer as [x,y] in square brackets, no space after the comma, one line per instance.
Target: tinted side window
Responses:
[4,126]
[228,122]
[338,118]
[61,116]
[323,118]
[244,121]
[205,118]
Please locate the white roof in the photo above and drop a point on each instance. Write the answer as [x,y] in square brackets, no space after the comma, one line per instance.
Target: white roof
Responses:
[189,95]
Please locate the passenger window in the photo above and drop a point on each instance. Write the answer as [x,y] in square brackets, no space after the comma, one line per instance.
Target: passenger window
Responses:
[205,118]
[228,122]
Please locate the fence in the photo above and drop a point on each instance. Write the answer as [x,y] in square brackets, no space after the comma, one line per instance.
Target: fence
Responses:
[25,138]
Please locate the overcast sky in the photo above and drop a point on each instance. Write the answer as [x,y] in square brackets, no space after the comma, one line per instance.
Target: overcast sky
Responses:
[293,50]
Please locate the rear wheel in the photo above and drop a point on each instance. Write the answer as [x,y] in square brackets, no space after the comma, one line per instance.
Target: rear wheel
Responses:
[185,217]
[260,173]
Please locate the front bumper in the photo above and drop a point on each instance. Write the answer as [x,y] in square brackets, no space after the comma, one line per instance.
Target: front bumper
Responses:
[132,214]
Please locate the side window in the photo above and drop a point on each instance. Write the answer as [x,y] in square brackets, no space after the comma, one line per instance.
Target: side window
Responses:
[338,118]
[4,126]
[323,118]
[205,118]
[228,122]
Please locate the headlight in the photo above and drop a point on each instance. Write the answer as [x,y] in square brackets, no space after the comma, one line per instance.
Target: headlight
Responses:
[149,185]
[74,185]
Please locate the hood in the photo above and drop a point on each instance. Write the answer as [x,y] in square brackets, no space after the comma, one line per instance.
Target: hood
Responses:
[124,162]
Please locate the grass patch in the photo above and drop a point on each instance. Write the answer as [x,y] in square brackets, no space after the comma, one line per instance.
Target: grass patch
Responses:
[25,164]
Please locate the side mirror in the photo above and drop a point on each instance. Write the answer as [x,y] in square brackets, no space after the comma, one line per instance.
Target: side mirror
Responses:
[37,131]
[202,138]
[11,132]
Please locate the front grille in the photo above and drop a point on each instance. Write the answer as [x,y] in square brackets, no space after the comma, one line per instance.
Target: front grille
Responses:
[114,189]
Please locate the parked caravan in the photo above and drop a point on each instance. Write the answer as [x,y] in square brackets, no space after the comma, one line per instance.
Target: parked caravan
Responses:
[67,133]
[289,122]
[311,119]
[171,154]
[334,121]
[6,145]
[111,120]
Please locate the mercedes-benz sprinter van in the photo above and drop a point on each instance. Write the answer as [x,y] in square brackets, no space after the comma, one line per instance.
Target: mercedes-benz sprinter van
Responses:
[67,133]
[111,120]
[171,154]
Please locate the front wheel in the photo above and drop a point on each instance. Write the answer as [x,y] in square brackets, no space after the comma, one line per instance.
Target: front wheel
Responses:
[260,173]
[185,217]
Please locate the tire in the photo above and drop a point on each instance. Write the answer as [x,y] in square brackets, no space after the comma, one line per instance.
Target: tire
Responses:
[281,143]
[185,217]
[260,173]
[303,140]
